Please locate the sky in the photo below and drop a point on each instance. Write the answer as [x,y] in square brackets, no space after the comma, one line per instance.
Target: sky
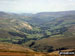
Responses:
[35,6]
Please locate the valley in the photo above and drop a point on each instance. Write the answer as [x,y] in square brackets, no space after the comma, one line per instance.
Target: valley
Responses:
[40,34]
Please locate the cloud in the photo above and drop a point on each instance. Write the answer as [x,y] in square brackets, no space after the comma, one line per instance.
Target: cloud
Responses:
[33,6]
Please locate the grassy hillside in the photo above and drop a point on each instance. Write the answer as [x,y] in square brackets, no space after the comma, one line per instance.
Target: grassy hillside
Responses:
[55,42]
[45,31]
[8,47]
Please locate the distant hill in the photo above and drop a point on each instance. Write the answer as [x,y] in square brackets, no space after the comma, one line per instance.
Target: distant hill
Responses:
[56,14]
